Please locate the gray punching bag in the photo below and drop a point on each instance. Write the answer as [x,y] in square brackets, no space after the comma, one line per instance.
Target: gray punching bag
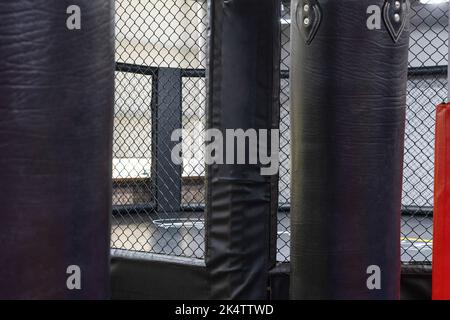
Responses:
[56,112]
[348,89]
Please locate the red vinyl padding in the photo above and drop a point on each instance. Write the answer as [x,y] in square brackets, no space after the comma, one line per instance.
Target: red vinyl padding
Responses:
[441,233]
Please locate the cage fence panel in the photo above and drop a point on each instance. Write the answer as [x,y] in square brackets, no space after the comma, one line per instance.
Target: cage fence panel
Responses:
[160,87]
[283,230]
[160,84]
[427,87]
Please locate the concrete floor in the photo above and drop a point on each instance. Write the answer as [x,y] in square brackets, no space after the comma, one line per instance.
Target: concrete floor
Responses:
[184,235]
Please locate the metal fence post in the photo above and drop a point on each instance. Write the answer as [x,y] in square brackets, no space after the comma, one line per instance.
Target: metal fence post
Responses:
[166,175]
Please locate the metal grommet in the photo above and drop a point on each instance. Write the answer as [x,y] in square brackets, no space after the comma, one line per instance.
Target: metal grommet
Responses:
[396,17]
[308,16]
[397,5]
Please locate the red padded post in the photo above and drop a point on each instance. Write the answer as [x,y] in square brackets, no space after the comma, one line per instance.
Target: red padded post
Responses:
[441,229]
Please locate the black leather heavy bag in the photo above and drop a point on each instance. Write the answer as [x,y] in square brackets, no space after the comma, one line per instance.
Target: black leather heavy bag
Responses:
[56,111]
[348,86]
[243,93]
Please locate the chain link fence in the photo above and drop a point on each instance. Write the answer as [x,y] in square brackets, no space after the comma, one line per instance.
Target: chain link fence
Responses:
[160,86]
[427,87]
[283,234]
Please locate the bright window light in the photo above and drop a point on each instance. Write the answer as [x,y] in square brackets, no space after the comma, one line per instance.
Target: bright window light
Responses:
[432,1]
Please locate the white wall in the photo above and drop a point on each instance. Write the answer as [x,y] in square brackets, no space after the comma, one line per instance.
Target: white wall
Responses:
[157,33]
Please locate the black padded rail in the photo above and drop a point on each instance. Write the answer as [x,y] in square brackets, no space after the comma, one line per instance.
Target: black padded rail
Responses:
[415,282]
[348,90]
[56,115]
[136,275]
[241,205]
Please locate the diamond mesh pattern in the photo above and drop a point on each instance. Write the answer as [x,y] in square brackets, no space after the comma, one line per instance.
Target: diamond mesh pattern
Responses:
[155,209]
[426,88]
[284,202]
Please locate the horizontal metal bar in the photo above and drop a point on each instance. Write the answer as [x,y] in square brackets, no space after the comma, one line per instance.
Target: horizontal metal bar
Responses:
[188,73]
[200,73]
[133,209]
[148,256]
[284,74]
[137,69]
[417,211]
[193,73]
[427,71]
[151,208]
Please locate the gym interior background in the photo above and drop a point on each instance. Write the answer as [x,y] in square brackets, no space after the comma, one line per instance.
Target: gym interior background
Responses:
[161,61]
[162,229]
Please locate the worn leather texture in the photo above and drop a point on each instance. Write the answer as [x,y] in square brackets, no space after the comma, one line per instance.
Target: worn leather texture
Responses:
[348,89]
[241,205]
[56,115]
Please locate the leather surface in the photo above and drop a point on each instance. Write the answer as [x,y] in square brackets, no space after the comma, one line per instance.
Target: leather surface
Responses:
[56,112]
[241,205]
[348,90]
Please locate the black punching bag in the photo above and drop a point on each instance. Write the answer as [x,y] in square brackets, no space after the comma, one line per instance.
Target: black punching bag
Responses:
[348,90]
[56,112]
[243,93]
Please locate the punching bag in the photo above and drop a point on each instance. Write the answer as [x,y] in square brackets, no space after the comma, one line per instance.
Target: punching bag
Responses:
[348,92]
[56,112]
[243,94]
